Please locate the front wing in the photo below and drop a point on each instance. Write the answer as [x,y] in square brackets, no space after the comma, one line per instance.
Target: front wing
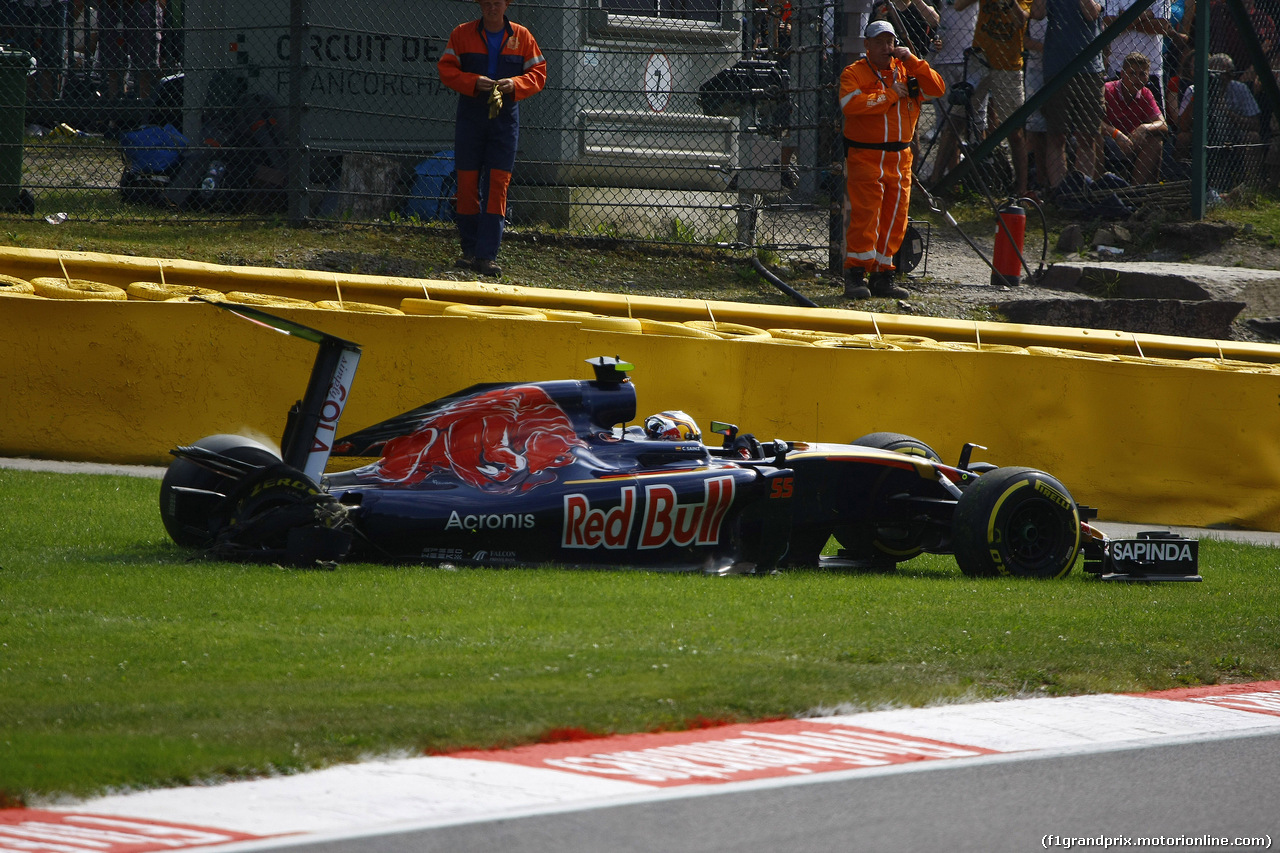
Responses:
[1155,555]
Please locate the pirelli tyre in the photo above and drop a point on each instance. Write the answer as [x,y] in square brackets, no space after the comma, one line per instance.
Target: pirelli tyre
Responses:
[279,515]
[899,442]
[190,493]
[1018,522]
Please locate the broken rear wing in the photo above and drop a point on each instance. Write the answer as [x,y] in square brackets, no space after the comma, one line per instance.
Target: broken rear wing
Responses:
[313,421]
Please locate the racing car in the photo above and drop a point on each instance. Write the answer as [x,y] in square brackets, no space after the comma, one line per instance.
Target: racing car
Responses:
[556,472]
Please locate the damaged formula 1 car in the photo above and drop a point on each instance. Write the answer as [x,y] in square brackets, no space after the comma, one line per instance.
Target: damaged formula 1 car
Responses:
[550,473]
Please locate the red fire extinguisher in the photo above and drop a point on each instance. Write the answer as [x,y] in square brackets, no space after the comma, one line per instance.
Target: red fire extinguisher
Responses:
[1010,231]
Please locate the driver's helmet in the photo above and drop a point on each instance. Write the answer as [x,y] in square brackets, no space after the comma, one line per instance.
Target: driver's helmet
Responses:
[672,426]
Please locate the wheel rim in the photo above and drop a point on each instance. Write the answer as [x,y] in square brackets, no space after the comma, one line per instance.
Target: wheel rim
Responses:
[1034,534]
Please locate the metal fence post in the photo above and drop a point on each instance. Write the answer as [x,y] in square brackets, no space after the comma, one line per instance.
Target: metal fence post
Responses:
[299,155]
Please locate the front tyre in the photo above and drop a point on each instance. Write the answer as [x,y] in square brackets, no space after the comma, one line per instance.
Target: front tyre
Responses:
[1016,521]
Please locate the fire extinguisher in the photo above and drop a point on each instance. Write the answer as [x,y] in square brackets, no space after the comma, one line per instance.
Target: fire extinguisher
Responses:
[1011,229]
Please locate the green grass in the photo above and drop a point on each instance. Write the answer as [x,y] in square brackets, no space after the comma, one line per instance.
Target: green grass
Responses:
[125,663]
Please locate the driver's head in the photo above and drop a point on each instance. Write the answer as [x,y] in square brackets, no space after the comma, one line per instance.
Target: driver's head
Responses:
[672,426]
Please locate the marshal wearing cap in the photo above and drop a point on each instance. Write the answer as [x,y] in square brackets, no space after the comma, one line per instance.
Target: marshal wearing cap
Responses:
[876,28]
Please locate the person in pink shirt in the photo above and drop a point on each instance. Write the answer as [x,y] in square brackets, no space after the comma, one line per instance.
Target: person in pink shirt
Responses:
[1135,127]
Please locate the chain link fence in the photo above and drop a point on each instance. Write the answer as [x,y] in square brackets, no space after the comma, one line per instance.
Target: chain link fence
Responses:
[1105,124]
[709,122]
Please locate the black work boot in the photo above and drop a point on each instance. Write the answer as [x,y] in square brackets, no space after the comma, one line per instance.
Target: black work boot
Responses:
[853,286]
[881,284]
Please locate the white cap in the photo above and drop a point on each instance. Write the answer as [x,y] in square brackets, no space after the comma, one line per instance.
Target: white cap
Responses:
[876,28]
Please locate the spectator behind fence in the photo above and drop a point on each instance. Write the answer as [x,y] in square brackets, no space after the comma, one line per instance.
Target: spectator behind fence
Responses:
[492,64]
[919,19]
[1225,37]
[773,41]
[954,38]
[84,36]
[880,99]
[1135,128]
[129,40]
[1182,17]
[1036,127]
[41,32]
[1146,36]
[1000,36]
[1233,134]
[1075,111]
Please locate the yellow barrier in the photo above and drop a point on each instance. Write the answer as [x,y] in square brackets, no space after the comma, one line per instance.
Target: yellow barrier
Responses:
[1148,439]
[313,286]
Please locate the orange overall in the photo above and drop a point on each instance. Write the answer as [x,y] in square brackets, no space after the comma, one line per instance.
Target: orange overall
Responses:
[485,145]
[878,126]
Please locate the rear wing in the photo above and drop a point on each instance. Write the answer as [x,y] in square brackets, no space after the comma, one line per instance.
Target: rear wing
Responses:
[312,424]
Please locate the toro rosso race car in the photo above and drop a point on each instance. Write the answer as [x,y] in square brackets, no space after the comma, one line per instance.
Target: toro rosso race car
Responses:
[554,473]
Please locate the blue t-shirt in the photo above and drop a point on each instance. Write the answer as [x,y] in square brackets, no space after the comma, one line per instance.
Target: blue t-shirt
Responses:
[495,41]
[1067,35]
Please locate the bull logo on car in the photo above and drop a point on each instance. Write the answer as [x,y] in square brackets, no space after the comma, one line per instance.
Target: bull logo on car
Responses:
[503,441]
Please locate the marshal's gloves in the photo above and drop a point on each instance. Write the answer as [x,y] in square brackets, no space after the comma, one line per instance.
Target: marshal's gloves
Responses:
[495,101]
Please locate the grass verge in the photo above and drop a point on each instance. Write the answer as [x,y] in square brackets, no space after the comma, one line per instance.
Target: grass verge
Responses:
[123,663]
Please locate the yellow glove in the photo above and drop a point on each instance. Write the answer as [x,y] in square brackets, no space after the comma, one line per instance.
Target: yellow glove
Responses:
[495,101]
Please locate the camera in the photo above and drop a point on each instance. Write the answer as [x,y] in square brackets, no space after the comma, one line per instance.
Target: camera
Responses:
[913,87]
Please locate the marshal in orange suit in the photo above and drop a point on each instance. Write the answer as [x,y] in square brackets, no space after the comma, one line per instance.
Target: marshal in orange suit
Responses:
[880,97]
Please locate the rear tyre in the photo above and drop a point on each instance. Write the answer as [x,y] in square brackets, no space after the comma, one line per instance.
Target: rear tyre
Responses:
[888,543]
[190,492]
[1019,522]
[899,442]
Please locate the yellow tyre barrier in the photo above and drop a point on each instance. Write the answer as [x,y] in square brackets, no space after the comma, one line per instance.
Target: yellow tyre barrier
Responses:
[973,346]
[673,330]
[807,335]
[729,331]
[603,323]
[12,286]
[358,307]
[914,340]
[1072,353]
[504,312]
[425,307]
[154,292]
[267,300]
[75,288]
[571,314]
[1236,365]
[1166,362]
[924,344]
[854,343]
[592,321]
